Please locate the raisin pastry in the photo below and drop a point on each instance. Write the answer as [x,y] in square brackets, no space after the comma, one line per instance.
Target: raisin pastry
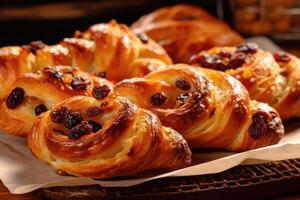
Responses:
[209,108]
[184,30]
[83,136]
[35,93]
[111,50]
[273,79]
[14,61]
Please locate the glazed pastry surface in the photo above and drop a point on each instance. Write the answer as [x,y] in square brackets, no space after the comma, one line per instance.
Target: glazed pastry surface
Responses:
[184,30]
[209,108]
[108,138]
[273,79]
[34,93]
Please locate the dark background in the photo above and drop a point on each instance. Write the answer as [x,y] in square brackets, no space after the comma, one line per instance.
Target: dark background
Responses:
[22,30]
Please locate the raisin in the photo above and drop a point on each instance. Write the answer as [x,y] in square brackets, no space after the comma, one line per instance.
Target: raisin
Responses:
[59,114]
[100,92]
[40,109]
[36,45]
[281,57]
[72,119]
[92,111]
[15,98]
[80,130]
[79,83]
[52,73]
[237,60]
[247,47]
[259,125]
[219,65]
[204,60]
[209,61]
[225,54]
[143,37]
[158,99]
[96,126]
[182,84]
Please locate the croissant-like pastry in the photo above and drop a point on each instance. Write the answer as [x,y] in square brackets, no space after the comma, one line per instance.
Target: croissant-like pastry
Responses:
[107,138]
[273,79]
[14,61]
[111,49]
[209,108]
[184,30]
[35,93]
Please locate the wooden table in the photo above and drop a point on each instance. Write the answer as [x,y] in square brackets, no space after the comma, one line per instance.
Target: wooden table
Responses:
[6,195]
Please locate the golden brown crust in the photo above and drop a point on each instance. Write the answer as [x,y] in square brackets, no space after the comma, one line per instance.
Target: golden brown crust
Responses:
[276,82]
[46,88]
[184,30]
[14,61]
[209,108]
[111,48]
[131,140]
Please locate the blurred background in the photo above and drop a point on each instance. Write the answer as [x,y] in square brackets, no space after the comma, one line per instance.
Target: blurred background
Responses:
[51,20]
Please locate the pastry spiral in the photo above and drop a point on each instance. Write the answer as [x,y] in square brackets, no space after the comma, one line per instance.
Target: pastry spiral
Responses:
[34,93]
[209,108]
[273,79]
[108,138]
[110,49]
[184,30]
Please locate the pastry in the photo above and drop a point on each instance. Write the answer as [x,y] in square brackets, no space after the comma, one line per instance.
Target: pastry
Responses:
[111,50]
[273,79]
[209,108]
[34,93]
[84,136]
[14,61]
[184,30]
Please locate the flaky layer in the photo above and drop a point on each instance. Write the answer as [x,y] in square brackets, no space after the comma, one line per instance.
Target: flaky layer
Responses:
[128,140]
[273,79]
[184,30]
[34,93]
[209,108]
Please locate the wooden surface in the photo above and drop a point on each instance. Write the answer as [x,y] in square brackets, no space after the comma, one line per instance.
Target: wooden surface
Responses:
[6,195]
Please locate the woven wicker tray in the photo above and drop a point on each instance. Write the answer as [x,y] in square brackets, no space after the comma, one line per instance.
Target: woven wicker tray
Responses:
[242,182]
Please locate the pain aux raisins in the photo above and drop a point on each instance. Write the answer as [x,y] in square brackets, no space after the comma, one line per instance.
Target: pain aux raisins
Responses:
[15,98]
[80,83]
[100,92]
[158,99]
[281,57]
[80,130]
[182,84]
[39,109]
[59,114]
[247,47]
[72,119]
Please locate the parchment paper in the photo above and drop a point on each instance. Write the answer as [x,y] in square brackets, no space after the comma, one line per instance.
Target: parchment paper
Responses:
[20,172]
